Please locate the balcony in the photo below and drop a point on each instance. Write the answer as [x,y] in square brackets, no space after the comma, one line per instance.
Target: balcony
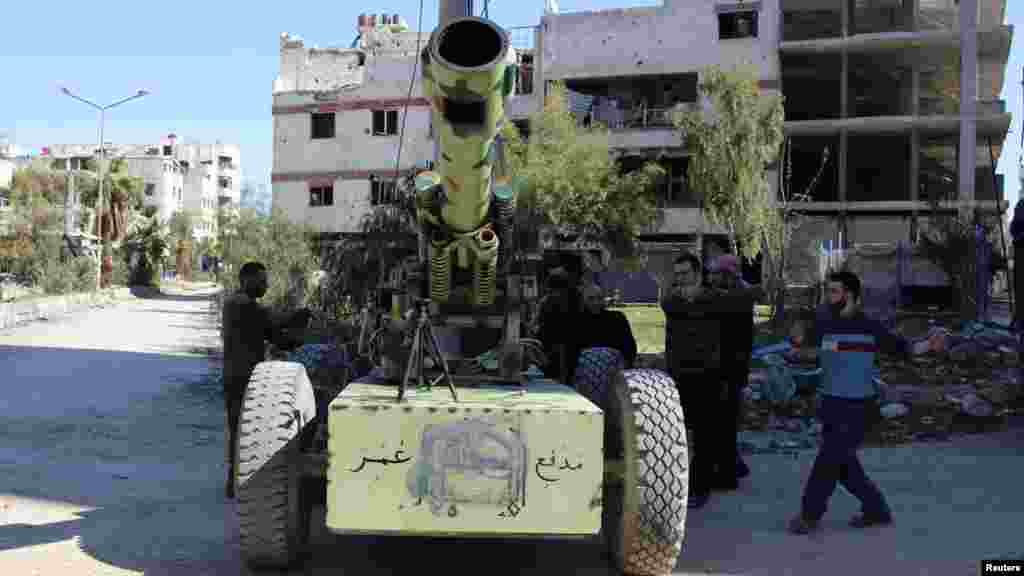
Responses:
[945,107]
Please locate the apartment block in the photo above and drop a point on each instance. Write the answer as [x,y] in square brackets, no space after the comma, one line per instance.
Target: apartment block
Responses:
[345,119]
[196,177]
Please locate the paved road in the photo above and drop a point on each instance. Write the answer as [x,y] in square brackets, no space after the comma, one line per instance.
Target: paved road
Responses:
[111,462]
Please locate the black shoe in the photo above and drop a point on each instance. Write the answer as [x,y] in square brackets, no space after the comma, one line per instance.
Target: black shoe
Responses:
[869,520]
[801,525]
[742,470]
[726,485]
[698,500]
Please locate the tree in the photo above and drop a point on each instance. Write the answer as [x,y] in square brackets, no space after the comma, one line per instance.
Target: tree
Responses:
[572,186]
[122,194]
[731,143]
[182,224]
[780,226]
[37,185]
[949,243]
[280,244]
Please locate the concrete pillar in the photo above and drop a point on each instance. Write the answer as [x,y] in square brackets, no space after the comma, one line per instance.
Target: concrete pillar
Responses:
[915,143]
[968,99]
[448,10]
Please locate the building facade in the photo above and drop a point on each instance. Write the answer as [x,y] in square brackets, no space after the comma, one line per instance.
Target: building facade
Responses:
[196,177]
[345,119]
[875,82]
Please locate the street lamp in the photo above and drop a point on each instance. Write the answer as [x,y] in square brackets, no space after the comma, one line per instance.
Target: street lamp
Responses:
[102,154]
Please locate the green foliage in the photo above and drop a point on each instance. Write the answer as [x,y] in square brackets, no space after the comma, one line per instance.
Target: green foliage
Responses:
[570,181]
[730,146]
[182,224]
[280,244]
[149,237]
[118,186]
[37,186]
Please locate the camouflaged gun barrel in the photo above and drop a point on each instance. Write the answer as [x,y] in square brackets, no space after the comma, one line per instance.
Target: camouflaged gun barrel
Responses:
[468,73]
[467,77]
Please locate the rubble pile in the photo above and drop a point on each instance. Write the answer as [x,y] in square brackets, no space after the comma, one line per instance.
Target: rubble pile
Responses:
[971,387]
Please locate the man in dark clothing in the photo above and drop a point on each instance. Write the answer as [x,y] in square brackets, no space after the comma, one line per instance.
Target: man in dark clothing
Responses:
[737,305]
[555,318]
[848,402]
[1017,235]
[693,358]
[598,327]
[246,327]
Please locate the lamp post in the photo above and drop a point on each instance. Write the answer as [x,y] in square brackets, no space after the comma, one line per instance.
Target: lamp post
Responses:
[102,154]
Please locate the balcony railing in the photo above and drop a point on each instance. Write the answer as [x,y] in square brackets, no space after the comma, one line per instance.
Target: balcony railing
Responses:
[635,117]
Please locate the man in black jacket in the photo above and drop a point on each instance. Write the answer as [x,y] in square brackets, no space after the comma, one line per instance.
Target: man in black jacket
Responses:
[598,327]
[693,358]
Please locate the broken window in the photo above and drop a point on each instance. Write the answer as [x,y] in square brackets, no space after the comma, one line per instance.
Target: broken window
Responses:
[321,195]
[804,158]
[322,125]
[811,21]
[383,192]
[167,150]
[150,189]
[738,24]
[676,191]
[385,122]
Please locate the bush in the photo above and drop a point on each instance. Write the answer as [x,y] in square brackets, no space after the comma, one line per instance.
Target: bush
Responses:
[280,244]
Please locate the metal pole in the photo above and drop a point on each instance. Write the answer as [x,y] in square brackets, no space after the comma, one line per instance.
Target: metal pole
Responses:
[99,204]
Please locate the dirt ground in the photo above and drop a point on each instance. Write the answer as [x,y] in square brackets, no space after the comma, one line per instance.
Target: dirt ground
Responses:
[112,463]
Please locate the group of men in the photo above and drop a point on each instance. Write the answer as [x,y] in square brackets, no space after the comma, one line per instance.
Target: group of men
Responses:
[709,340]
[709,335]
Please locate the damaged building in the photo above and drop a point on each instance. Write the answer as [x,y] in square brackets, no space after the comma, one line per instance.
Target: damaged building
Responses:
[346,118]
[876,82]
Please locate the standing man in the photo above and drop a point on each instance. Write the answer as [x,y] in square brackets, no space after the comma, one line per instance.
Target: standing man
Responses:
[737,345]
[600,327]
[1017,235]
[848,401]
[694,362]
[246,327]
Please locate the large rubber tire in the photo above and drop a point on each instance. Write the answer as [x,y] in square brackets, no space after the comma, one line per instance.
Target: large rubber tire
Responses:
[645,515]
[273,526]
[594,372]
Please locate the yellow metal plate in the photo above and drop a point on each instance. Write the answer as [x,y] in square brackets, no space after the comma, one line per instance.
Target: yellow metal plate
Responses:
[498,462]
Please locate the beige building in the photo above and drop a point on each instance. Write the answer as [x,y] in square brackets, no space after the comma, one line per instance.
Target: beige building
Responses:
[871,80]
[338,123]
[197,177]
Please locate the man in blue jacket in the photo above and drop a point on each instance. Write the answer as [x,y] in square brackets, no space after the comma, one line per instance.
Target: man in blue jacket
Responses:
[847,344]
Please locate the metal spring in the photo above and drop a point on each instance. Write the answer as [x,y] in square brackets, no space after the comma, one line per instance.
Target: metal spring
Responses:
[503,213]
[440,274]
[483,282]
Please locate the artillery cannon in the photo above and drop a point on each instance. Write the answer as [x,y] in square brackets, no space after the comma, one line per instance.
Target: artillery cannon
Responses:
[509,454]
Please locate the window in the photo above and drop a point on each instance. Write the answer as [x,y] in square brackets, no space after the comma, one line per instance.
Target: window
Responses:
[150,189]
[224,182]
[321,195]
[323,125]
[739,24]
[383,192]
[385,122]
[167,150]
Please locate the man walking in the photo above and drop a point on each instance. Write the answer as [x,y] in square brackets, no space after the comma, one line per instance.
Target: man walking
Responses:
[848,401]
[246,327]
[693,330]
[737,345]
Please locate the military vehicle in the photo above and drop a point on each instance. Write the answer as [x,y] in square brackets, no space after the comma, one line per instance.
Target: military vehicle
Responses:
[438,445]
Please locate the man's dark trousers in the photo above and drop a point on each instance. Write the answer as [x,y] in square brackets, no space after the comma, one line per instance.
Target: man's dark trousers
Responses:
[706,414]
[233,404]
[844,424]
